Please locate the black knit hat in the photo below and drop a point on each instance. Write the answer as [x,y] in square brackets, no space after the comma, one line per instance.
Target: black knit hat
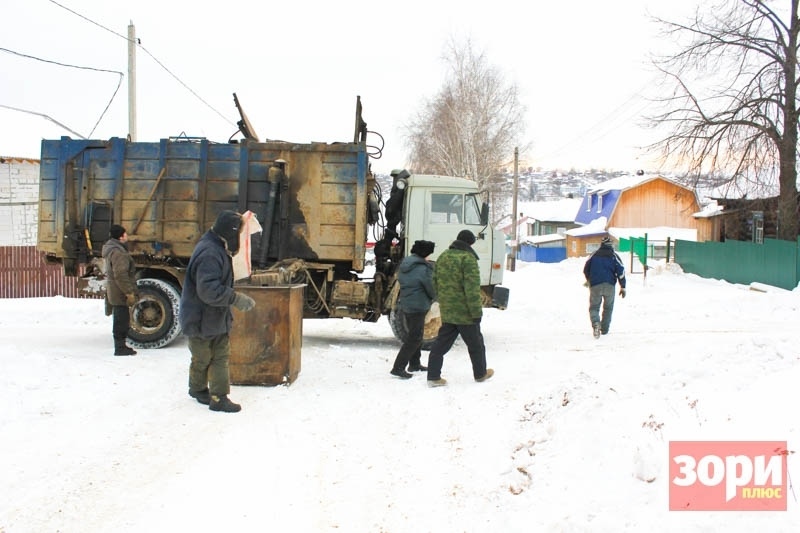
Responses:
[116,231]
[227,226]
[423,248]
[466,236]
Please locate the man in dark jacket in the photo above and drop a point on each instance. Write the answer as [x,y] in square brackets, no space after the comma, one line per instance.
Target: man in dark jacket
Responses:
[121,293]
[602,271]
[457,281]
[205,313]
[415,276]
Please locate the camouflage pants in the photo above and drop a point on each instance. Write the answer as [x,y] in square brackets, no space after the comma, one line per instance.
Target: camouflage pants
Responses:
[209,366]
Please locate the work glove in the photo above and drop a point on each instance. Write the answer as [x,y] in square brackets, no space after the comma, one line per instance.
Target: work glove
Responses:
[622,292]
[131,299]
[586,283]
[243,302]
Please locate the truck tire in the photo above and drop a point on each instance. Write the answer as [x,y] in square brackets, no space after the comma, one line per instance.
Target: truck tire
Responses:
[432,323]
[154,318]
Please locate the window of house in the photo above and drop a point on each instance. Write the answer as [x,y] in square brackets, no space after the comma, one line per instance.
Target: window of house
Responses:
[599,203]
[588,201]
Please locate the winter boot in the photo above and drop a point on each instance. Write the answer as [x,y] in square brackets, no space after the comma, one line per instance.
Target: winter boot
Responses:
[441,382]
[120,348]
[596,330]
[489,373]
[201,396]
[417,367]
[402,374]
[223,404]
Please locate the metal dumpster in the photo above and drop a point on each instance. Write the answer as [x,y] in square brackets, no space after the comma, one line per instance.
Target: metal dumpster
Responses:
[266,341]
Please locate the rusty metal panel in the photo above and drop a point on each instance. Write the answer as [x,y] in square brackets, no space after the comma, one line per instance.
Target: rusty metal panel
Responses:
[25,274]
[266,341]
[175,189]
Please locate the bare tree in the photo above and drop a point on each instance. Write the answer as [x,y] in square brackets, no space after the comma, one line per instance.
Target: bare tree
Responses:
[733,111]
[471,126]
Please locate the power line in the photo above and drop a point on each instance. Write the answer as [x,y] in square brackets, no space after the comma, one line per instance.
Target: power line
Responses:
[48,117]
[113,95]
[146,51]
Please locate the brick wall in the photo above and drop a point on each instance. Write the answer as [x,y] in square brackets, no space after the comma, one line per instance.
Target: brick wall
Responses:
[19,201]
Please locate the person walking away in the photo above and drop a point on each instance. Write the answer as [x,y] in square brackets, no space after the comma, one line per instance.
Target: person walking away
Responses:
[205,313]
[415,276]
[602,272]
[457,282]
[121,291]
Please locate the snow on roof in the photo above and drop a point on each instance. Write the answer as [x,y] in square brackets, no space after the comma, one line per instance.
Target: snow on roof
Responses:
[619,183]
[12,160]
[541,239]
[711,209]
[626,182]
[595,227]
[660,233]
[563,210]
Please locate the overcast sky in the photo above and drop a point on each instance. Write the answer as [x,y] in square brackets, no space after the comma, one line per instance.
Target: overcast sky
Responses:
[582,67]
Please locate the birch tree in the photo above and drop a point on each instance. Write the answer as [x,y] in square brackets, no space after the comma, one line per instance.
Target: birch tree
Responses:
[471,126]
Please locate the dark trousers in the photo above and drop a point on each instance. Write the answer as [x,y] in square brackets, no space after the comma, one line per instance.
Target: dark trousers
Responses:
[410,351]
[209,366]
[122,323]
[602,293]
[448,333]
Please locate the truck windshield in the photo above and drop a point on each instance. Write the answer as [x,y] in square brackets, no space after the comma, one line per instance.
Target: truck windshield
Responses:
[450,208]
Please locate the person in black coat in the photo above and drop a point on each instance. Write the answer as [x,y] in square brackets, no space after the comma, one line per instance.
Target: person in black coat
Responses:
[415,275]
[602,272]
[205,313]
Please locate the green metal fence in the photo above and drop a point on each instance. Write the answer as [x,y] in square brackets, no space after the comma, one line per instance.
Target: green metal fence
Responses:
[773,262]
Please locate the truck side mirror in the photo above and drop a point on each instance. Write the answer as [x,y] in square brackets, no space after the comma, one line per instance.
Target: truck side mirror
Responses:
[485,213]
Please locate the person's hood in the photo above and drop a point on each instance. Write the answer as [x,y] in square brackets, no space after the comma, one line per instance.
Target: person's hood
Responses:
[113,244]
[411,263]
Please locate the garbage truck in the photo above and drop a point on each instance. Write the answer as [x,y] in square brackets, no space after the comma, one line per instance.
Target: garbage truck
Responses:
[318,205]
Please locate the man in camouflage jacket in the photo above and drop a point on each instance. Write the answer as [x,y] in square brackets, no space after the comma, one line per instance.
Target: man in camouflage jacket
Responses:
[457,280]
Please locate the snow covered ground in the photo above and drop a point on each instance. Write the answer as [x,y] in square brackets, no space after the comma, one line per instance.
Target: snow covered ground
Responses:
[570,435]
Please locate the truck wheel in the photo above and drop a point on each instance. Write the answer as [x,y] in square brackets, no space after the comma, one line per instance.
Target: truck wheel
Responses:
[154,318]
[432,323]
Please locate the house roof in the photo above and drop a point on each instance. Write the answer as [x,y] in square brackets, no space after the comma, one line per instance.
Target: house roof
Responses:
[541,239]
[11,160]
[563,210]
[609,192]
[595,227]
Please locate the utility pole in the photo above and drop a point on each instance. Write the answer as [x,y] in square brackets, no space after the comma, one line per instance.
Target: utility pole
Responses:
[515,234]
[132,82]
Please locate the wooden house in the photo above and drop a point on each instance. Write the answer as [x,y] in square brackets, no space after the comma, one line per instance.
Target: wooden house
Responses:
[633,202]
